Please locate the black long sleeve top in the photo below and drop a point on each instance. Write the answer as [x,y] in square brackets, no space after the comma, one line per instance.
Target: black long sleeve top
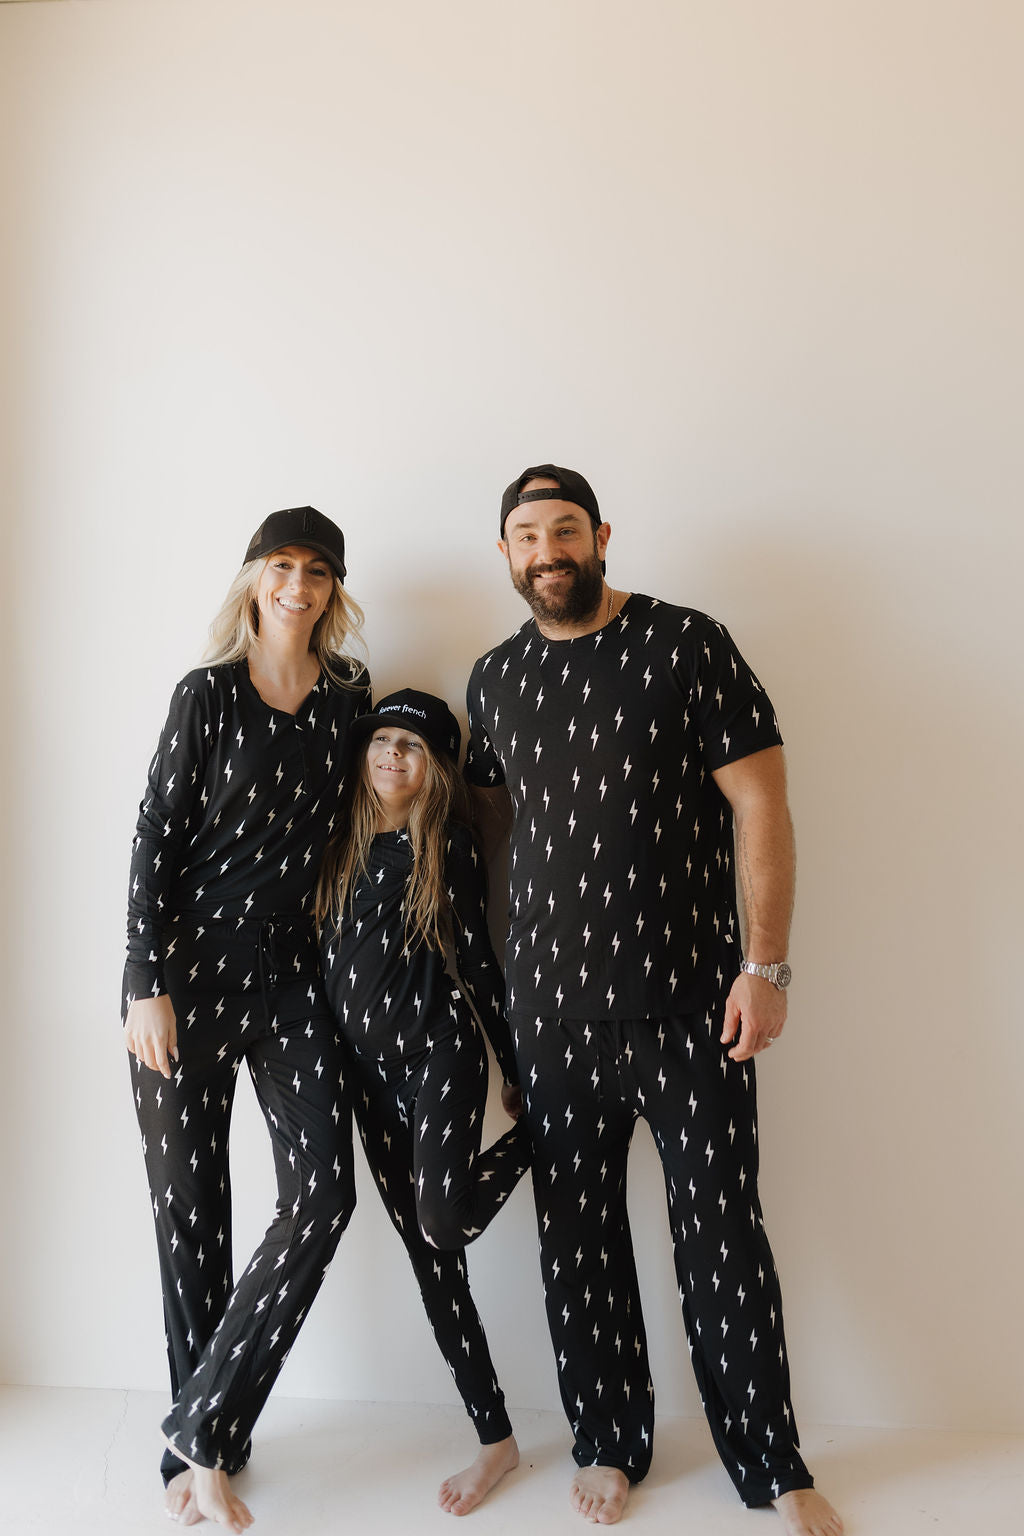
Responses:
[388,994]
[240,802]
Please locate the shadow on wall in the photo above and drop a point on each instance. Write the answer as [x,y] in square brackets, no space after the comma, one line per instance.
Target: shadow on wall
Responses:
[435,628]
[886,1123]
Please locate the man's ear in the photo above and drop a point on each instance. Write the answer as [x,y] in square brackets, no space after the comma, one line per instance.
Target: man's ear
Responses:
[601,536]
[503,547]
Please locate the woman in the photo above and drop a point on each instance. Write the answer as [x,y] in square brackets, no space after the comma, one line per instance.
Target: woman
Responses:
[401,884]
[222,968]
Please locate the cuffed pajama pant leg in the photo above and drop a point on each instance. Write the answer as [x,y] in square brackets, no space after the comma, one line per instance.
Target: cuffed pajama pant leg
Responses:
[387,1137]
[459,1189]
[581,1131]
[184,1124]
[223,1373]
[703,1113]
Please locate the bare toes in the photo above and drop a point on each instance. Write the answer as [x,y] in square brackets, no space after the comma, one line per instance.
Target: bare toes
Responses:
[806,1512]
[599,1494]
[177,1493]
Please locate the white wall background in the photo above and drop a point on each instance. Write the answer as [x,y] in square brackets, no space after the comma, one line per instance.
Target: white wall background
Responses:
[756,269]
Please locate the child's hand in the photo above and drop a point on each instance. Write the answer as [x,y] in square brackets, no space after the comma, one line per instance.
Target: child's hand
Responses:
[512,1099]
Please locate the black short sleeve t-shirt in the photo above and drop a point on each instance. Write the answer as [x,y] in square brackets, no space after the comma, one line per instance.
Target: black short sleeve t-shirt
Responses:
[622,898]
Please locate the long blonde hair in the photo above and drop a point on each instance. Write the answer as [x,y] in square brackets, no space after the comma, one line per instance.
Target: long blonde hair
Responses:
[442,798]
[236,627]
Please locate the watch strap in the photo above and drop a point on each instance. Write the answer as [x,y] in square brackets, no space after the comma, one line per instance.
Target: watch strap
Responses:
[778,972]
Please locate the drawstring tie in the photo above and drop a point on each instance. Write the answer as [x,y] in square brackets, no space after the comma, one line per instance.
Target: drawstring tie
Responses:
[268,955]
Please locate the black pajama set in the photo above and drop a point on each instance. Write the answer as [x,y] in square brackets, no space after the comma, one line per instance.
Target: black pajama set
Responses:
[240,803]
[623,944]
[417,1065]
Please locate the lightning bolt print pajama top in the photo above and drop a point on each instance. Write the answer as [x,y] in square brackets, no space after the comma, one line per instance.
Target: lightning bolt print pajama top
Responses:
[418,1068]
[623,943]
[240,802]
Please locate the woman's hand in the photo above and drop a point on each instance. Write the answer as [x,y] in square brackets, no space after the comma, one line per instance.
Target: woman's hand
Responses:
[512,1099]
[151,1032]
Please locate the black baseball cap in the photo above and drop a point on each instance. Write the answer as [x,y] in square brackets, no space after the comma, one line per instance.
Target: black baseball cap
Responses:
[300,525]
[421,713]
[571,487]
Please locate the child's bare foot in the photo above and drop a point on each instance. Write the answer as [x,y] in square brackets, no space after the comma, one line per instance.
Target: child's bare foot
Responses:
[179,1499]
[599,1494]
[213,1499]
[805,1513]
[468,1488]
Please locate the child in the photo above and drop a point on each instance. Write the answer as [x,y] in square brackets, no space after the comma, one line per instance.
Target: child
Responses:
[401,879]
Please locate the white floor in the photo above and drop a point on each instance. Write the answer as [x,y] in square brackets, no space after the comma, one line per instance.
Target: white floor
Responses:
[86,1461]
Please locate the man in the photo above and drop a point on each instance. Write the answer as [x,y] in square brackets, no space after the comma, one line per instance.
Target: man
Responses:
[632,750]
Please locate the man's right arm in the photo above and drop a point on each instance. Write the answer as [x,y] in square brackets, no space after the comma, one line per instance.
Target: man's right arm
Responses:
[492,803]
[492,817]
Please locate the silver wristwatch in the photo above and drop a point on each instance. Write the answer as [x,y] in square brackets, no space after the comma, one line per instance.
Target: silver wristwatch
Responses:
[778,974]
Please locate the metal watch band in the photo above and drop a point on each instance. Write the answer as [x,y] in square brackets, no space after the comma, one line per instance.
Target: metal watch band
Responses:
[778,973]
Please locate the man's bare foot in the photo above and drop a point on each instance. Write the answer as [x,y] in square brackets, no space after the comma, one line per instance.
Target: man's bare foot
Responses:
[805,1513]
[468,1488]
[599,1494]
[180,1501]
[212,1497]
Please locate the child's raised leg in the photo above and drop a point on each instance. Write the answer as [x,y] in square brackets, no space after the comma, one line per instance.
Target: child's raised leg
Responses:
[459,1189]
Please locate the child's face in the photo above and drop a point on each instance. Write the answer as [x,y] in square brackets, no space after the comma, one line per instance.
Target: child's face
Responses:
[396,766]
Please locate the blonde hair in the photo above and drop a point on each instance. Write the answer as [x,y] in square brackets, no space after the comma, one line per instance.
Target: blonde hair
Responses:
[236,627]
[442,798]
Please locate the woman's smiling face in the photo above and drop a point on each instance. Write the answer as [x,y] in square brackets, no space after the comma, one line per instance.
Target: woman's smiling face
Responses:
[294,589]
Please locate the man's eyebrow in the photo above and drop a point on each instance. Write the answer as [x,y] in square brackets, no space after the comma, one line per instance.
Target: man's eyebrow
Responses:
[572,516]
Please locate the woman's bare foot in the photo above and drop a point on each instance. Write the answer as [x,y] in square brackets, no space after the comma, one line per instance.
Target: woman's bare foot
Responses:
[805,1513]
[212,1497]
[180,1501]
[468,1488]
[599,1494]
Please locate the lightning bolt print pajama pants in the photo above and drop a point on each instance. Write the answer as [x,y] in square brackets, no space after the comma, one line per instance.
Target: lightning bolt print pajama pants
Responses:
[244,992]
[586,1085]
[421,1135]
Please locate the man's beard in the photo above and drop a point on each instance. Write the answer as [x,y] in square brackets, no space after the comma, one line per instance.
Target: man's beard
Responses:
[577,603]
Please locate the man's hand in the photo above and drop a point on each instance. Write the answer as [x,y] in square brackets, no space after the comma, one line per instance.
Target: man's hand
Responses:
[756,1011]
[151,1032]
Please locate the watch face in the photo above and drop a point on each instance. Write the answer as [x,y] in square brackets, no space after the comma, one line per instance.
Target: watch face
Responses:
[783,976]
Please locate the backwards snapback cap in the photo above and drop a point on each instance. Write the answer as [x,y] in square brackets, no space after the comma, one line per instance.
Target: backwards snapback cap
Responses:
[571,487]
[423,714]
[300,525]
